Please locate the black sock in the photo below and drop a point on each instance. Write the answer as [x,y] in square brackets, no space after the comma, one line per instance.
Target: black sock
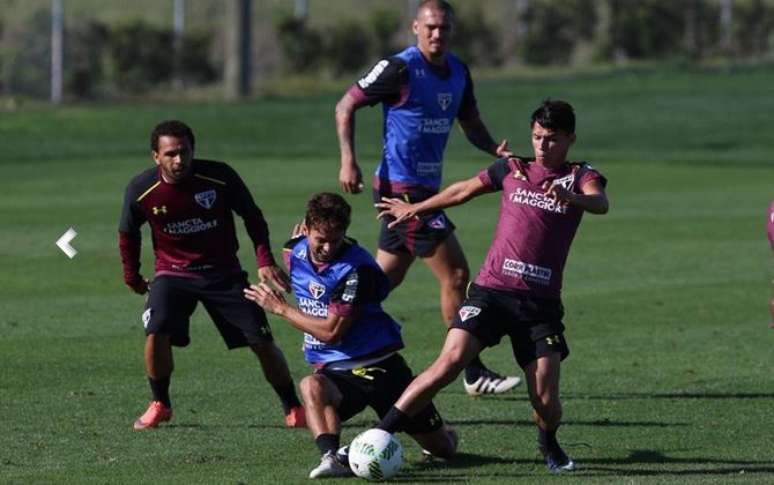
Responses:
[393,421]
[547,440]
[287,395]
[473,370]
[160,390]
[327,442]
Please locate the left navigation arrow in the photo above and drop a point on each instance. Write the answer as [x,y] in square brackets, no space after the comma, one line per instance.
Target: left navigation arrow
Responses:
[64,243]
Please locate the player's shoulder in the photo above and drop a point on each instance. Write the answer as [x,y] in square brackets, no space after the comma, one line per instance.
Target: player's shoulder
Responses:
[291,243]
[142,182]
[582,166]
[214,171]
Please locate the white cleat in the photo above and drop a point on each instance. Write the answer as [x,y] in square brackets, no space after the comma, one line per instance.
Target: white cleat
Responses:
[491,383]
[330,467]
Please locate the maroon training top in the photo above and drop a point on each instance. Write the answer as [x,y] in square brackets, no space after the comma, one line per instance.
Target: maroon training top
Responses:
[191,222]
[534,232]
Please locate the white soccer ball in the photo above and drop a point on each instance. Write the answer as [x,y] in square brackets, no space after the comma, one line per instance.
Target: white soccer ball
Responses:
[375,455]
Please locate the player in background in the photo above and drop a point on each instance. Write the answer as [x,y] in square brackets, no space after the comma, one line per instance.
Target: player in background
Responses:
[422,90]
[770,230]
[518,289]
[352,343]
[188,204]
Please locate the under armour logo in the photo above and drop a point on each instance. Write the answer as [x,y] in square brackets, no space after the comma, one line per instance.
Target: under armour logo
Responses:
[159,210]
[554,340]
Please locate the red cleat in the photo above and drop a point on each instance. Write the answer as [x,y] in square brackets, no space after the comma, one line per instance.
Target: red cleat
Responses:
[156,414]
[296,418]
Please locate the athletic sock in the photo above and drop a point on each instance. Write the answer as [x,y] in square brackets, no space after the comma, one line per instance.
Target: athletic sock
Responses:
[160,390]
[287,395]
[547,440]
[327,442]
[473,370]
[393,421]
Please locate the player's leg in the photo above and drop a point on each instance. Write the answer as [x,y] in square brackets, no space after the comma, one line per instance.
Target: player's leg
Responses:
[395,265]
[541,358]
[458,349]
[243,324]
[448,264]
[167,310]
[331,397]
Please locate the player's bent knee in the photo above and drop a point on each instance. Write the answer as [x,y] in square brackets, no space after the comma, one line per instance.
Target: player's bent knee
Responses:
[313,389]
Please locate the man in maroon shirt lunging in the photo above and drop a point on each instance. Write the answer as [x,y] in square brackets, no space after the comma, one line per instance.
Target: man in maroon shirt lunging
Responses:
[188,203]
[517,291]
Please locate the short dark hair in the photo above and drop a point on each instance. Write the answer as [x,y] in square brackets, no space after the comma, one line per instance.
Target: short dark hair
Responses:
[442,5]
[555,115]
[327,211]
[175,128]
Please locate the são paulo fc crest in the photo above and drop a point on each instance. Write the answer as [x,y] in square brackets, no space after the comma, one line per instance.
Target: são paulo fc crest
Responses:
[316,289]
[468,312]
[206,199]
[445,100]
[438,222]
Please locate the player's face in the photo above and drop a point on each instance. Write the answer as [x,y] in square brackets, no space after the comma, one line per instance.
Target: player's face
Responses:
[433,28]
[324,243]
[550,146]
[174,156]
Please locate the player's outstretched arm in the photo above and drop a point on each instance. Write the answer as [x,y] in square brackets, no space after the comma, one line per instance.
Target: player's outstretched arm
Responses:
[350,176]
[455,194]
[477,134]
[326,330]
[592,199]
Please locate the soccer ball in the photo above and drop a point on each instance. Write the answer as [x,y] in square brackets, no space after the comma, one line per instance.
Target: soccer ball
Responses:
[375,455]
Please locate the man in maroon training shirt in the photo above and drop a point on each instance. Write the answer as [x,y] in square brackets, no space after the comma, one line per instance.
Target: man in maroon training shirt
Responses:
[517,291]
[188,203]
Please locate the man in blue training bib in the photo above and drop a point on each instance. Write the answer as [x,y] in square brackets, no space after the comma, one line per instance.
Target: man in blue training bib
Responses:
[349,339]
[422,90]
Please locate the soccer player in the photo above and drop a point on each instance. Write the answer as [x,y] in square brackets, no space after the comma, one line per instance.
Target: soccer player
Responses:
[517,291]
[422,90]
[348,338]
[188,203]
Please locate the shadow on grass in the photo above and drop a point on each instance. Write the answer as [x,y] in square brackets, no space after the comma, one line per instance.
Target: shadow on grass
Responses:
[720,466]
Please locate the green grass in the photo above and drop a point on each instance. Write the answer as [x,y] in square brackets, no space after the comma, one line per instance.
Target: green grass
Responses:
[669,376]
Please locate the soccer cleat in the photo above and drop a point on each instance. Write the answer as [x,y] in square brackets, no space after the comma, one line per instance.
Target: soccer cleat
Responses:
[156,414]
[342,455]
[557,461]
[296,417]
[490,383]
[330,467]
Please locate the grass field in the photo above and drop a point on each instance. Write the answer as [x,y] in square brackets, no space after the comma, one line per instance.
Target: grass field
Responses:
[669,380]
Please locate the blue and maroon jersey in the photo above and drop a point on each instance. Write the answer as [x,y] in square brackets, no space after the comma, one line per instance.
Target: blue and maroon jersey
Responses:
[534,232]
[192,222]
[420,102]
[351,285]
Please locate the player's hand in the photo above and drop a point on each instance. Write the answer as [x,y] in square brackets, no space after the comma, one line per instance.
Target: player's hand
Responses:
[274,275]
[502,150]
[141,287]
[560,194]
[266,297]
[351,178]
[397,208]
[299,230]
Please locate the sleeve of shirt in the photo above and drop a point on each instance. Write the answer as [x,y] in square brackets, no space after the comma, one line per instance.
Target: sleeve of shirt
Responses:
[244,205]
[493,176]
[387,81]
[588,173]
[358,287]
[130,237]
[469,106]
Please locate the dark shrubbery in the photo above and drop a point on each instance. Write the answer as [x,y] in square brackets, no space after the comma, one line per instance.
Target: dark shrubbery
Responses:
[301,46]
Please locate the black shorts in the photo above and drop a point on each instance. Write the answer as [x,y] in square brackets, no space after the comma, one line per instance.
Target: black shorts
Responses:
[379,386]
[533,324]
[172,300]
[417,237]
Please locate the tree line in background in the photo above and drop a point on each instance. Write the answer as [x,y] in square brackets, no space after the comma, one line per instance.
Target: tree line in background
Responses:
[103,60]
